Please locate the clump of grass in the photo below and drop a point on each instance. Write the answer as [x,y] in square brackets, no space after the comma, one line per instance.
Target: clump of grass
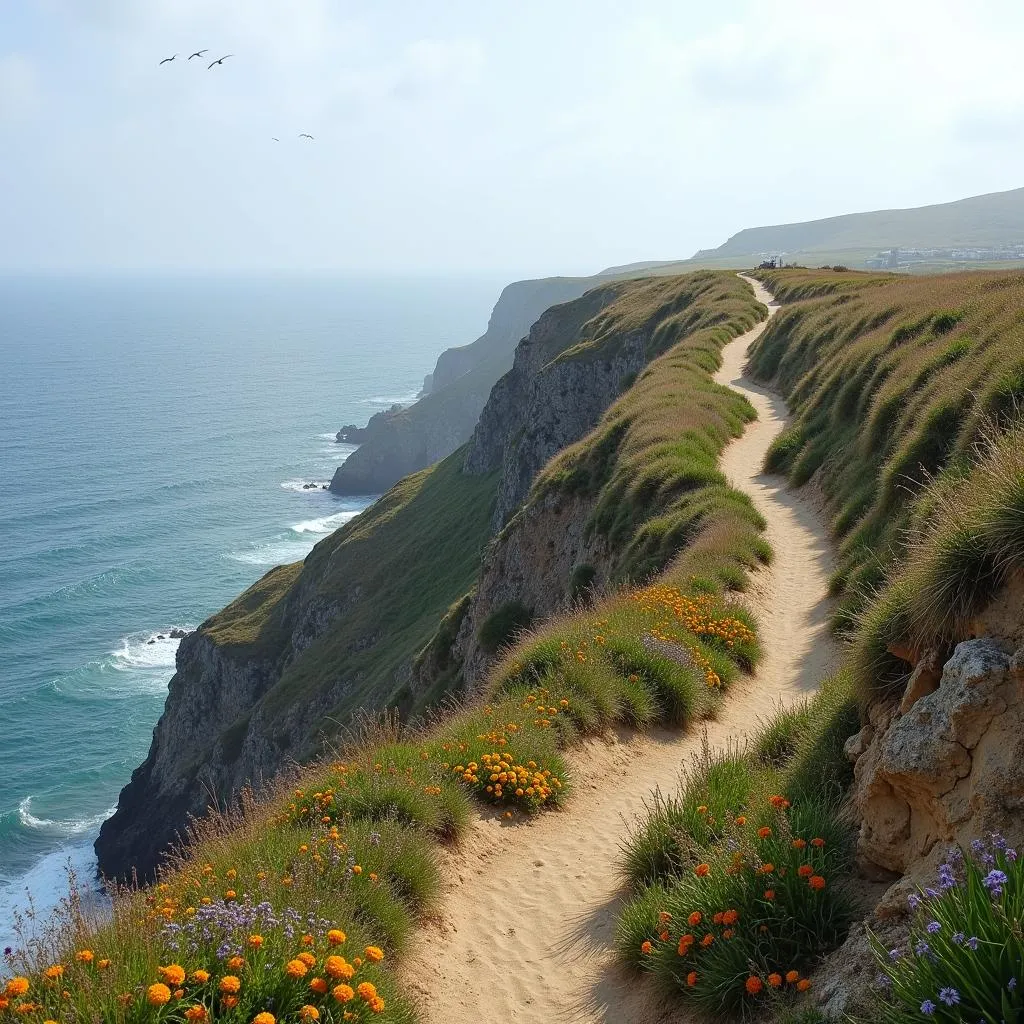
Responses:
[738,879]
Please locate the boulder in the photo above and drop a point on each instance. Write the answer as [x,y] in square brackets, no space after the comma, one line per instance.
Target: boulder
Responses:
[947,764]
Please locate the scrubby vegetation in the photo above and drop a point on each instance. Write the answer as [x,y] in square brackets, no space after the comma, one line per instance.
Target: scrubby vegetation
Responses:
[906,393]
[738,879]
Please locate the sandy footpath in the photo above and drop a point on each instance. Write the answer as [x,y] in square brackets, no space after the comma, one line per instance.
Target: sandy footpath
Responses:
[525,929]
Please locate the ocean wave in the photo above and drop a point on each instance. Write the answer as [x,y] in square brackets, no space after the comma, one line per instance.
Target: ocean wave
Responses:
[146,651]
[299,486]
[277,553]
[389,400]
[62,829]
[329,437]
[325,524]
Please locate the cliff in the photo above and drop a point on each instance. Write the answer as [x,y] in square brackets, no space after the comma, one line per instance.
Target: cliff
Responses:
[398,442]
[383,613]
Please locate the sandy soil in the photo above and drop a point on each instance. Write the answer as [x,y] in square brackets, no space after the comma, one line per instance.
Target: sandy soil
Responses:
[526,927]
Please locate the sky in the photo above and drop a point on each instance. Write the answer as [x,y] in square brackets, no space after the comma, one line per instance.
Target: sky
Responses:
[526,138]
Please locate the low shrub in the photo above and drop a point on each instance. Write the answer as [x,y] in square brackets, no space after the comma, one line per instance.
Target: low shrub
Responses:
[964,960]
[503,625]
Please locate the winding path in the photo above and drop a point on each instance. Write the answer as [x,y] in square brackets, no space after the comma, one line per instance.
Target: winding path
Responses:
[527,924]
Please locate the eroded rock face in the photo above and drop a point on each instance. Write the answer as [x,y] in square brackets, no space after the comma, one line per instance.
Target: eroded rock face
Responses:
[946,764]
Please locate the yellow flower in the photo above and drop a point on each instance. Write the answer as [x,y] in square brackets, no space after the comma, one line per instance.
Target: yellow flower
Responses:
[295,969]
[336,936]
[343,993]
[229,984]
[54,972]
[255,941]
[309,1012]
[307,958]
[197,1014]
[356,869]
[235,963]
[17,986]
[319,986]
[201,976]
[377,1004]
[84,956]
[103,964]
[264,1018]
[374,953]
[367,990]
[158,994]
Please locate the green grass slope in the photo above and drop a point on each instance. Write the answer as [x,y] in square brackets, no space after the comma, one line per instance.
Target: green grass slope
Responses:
[393,570]
[904,391]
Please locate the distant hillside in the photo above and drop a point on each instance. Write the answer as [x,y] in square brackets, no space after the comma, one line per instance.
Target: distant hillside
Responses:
[988,220]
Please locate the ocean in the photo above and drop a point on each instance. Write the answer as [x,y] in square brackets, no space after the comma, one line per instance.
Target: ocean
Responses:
[155,434]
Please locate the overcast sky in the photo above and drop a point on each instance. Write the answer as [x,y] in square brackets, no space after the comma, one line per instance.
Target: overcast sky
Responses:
[556,136]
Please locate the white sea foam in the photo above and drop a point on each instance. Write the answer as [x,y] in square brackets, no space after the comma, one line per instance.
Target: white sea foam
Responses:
[48,882]
[299,486]
[325,524]
[329,437]
[137,652]
[63,829]
[389,400]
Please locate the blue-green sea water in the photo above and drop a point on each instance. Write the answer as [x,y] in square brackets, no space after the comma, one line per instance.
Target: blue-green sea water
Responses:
[154,438]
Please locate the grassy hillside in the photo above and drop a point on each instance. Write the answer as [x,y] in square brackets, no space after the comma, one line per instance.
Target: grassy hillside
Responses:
[394,570]
[649,468]
[979,221]
[895,382]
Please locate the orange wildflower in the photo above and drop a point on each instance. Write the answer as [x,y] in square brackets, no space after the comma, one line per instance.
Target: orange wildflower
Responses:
[230,985]
[336,937]
[730,917]
[816,882]
[775,980]
[803,984]
[702,870]
[769,894]
[691,979]
[792,976]
[707,940]
[158,994]
[343,993]
[645,947]
[818,842]
[295,969]
[695,918]
[318,985]
[799,844]
[764,832]
[753,985]
[309,1012]
[805,871]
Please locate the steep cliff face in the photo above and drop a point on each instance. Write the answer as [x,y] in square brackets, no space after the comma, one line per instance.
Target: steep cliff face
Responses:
[268,679]
[400,442]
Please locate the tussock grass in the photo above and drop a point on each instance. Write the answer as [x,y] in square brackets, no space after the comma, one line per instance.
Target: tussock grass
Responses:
[743,835]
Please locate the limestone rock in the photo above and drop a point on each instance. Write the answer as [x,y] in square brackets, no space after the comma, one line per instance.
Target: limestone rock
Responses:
[947,765]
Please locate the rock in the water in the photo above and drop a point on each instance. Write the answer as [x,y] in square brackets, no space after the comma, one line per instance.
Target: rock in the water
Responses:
[178,634]
[160,636]
[948,769]
[150,641]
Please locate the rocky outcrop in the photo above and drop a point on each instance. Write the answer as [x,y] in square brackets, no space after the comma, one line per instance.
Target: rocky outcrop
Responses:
[946,764]
[399,442]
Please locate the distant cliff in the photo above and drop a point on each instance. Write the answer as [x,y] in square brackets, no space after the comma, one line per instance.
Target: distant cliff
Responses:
[398,442]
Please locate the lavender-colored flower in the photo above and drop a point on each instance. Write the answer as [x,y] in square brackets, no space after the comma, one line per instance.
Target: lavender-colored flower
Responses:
[931,893]
[1010,854]
[894,955]
[973,942]
[946,877]
[913,901]
[994,881]
[933,927]
[921,948]
[883,981]
[955,855]
[1011,984]
[928,1007]
[958,938]
[977,847]
[998,842]
[949,996]
[8,952]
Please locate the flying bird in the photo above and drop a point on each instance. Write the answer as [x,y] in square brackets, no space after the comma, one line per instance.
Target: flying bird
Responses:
[303,135]
[221,61]
[167,59]
[273,138]
[198,53]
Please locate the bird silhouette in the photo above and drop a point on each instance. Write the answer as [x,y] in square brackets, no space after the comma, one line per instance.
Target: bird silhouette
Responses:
[303,135]
[167,59]
[221,61]
[274,138]
[198,53]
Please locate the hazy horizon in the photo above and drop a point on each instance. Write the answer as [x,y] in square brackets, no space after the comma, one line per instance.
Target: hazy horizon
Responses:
[495,142]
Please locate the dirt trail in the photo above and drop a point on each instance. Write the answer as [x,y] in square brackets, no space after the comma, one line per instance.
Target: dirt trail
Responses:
[527,924]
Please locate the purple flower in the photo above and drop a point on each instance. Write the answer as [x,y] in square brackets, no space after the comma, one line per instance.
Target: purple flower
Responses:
[913,901]
[946,879]
[958,938]
[931,893]
[928,1007]
[973,942]
[998,841]
[994,881]
[977,846]
[921,948]
[949,996]
[933,927]
[1010,853]
[894,955]
[883,981]
[1011,984]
